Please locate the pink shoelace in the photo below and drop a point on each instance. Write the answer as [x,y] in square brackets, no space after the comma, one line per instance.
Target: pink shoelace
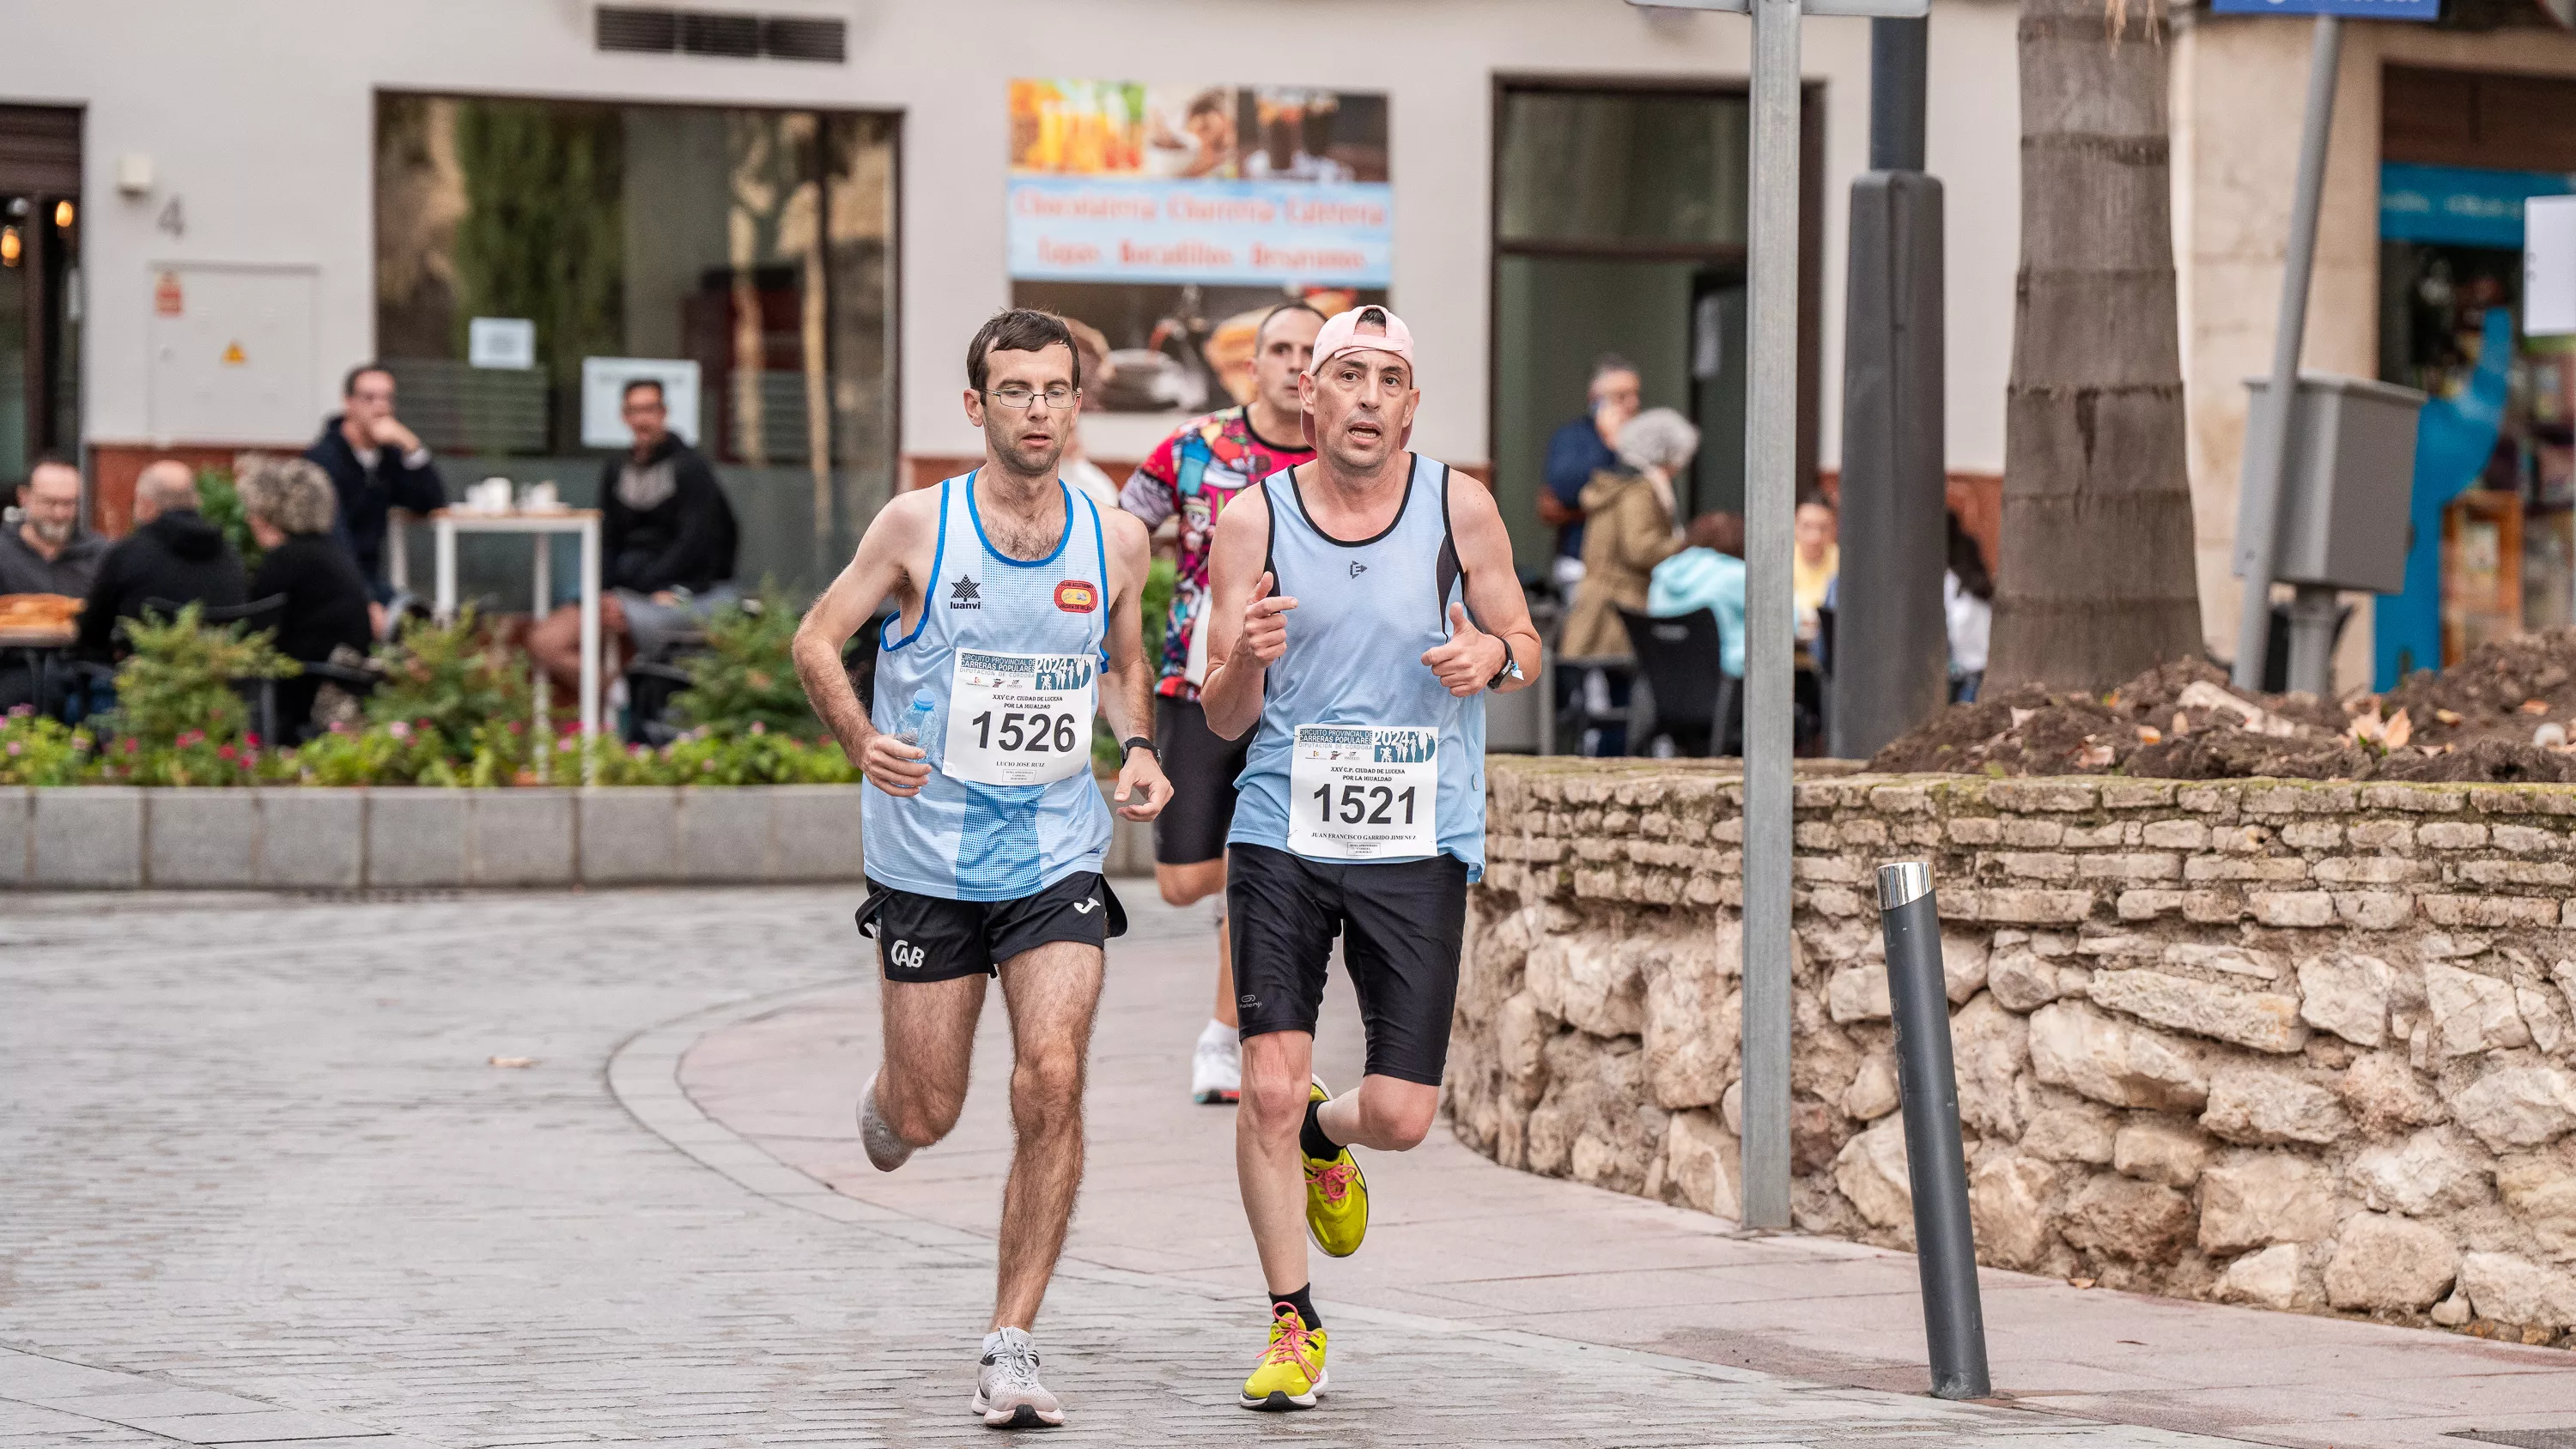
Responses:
[1290,1341]
[1334,1180]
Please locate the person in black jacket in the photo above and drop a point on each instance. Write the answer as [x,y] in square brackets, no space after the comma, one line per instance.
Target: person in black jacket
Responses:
[667,541]
[376,465]
[290,505]
[173,555]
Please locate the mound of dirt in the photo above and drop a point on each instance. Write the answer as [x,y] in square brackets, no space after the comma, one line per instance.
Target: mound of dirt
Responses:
[2504,713]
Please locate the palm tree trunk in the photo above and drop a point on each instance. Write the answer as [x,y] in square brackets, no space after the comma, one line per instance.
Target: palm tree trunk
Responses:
[2096,580]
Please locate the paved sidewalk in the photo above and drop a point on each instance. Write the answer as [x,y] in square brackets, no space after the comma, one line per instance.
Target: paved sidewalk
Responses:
[1458,1240]
[265,1187]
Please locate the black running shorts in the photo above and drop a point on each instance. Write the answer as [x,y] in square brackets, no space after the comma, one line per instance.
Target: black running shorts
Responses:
[932,938]
[1401,924]
[1202,765]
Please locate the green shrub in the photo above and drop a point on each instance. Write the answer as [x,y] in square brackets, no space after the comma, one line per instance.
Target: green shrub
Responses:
[755,756]
[220,504]
[746,676]
[458,684]
[38,750]
[176,688]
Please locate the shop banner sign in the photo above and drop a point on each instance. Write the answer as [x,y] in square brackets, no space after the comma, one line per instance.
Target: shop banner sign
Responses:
[2348,9]
[2459,205]
[1249,233]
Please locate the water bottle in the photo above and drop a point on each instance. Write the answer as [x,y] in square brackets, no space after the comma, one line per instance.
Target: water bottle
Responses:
[916,720]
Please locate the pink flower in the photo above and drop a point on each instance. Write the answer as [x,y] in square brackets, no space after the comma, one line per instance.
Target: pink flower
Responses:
[129,744]
[226,753]
[399,730]
[16,748]
[759,728]
[251,740]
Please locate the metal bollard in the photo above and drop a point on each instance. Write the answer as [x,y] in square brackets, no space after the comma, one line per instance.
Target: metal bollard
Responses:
[1945,1247]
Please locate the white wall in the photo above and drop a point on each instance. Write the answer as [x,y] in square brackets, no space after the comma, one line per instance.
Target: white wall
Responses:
[258,116]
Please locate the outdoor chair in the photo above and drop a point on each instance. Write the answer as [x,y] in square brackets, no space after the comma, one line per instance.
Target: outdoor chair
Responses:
[1696,702]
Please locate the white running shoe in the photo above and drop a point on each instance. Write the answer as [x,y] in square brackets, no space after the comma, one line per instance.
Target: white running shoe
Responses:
[885,1149]
[1216,1067]
[1007,1391]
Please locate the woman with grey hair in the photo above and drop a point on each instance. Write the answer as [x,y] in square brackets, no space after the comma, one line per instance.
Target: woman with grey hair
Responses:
[1630,525]
[290,504]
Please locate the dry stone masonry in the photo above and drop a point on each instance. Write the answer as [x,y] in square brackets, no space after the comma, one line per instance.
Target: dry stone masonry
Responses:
[2295,1044]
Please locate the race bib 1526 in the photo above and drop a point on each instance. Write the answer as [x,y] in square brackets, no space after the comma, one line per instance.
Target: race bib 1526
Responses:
[1020,719]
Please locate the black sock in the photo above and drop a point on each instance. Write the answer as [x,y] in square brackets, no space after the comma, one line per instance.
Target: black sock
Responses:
[1303,1300]
[1312,1141]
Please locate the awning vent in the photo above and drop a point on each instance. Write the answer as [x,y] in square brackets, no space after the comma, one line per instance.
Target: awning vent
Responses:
[721,33]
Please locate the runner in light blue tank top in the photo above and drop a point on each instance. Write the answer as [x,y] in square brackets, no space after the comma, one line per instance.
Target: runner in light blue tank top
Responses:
[984,842]
[1360,606]
[1366,611]
[1018,623]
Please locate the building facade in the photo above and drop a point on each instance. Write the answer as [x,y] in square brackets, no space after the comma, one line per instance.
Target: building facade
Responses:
[806,208]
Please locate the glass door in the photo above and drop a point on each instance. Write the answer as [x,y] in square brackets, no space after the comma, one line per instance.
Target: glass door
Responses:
[39,329]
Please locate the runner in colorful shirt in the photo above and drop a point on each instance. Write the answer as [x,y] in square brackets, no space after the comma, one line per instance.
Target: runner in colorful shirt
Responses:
[1196,471]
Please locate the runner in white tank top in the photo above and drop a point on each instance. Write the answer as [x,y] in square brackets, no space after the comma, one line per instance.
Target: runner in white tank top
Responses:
[1018,608]
[1362,807]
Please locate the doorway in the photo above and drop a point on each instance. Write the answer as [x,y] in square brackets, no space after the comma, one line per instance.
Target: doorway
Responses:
[40,218]
[1619,229]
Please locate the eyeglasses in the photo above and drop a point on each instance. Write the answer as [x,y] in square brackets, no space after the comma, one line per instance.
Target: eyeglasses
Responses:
[1018,397]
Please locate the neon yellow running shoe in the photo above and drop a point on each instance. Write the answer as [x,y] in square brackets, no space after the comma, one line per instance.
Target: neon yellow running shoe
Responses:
[1291,1371]
[1337,1204]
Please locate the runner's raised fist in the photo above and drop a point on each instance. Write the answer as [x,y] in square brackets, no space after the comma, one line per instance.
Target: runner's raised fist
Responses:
[1265,631]
[1469,658]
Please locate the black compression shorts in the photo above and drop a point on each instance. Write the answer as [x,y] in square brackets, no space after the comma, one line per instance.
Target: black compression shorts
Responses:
[933,938]
[1202,765]
[1402,925]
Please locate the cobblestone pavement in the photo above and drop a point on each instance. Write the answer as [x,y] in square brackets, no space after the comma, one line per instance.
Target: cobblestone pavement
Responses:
[265,1185]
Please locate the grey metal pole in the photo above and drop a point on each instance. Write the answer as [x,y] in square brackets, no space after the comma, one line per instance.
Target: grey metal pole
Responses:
[2312,630]
[2261,513]
[1899,56]
[1945,1248]
[1770,508]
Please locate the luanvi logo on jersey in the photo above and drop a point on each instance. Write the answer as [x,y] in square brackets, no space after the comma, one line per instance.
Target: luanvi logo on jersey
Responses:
[1077,596]
[904,956]
[965,594]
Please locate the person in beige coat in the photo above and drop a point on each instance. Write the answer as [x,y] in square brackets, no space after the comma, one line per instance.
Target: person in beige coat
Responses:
[1630,527]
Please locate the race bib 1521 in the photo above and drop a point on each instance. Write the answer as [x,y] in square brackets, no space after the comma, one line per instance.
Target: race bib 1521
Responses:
[1020,719]
[1364,792]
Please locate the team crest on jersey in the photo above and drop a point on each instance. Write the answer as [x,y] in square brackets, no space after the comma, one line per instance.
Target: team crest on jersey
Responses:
[965,594]
[1077,596]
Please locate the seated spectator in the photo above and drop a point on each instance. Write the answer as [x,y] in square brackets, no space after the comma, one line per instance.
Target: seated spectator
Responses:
[667,540]
[290,505]
[1707,575]
[1628,529]
[1968,602]
[47,553]
[1814,565]
[173,555]
[376,465]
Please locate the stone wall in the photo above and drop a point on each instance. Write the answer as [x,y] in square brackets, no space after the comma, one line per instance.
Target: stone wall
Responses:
[2301,1045]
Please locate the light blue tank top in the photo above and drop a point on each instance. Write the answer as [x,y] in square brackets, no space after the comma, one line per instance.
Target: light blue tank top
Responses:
[1366,612]
[972,842]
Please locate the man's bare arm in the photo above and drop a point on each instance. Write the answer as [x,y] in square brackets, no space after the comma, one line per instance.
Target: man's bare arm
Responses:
[1501,610]
[1126,695]
[875,571]
[1240,599]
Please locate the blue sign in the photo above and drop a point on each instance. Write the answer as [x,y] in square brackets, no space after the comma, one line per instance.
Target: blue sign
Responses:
[1251,233]
[2466,206]
[2348,9]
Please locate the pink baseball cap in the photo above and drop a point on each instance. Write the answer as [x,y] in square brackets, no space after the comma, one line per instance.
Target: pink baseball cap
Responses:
[1341,334]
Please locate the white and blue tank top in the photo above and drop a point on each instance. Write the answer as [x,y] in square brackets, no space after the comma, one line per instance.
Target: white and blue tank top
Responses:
[991,842]
[1367,610]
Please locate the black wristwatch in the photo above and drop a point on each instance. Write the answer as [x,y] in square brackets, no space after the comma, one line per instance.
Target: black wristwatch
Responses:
[1133,743]
[1511,668]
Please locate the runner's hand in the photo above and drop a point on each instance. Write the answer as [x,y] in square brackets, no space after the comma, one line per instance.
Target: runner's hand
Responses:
[1142,778]
[1469,658]
[1265,632]
[895,767]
